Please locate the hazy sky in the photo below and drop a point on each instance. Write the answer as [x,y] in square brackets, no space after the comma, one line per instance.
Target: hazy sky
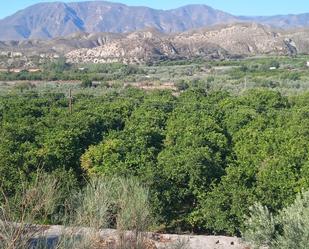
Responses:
[237,7]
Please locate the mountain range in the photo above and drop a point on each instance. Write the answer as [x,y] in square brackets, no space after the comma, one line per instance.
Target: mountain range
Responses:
[58,19]
[150,45]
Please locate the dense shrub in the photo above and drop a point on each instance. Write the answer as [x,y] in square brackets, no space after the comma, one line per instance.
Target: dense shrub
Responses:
[86,83]
[293,76]
[182,85]
[103,203]
[288,229]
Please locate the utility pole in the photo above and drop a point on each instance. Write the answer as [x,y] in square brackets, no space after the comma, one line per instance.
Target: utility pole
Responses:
[70,101]
[245,82]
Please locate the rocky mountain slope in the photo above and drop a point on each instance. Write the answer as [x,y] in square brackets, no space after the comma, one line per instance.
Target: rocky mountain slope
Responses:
[148,45]
[215,43]
[49,20]
[58,45]
[57,19]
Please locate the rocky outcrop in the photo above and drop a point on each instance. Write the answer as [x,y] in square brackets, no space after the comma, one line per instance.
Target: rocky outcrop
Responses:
[215,43]
[137,47]
[242,39]
[299,39]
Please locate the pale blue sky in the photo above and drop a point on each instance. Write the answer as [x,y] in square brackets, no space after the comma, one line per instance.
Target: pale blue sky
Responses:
[237,7]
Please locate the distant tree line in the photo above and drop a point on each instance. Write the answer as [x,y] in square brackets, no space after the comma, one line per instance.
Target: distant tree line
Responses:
[60,70]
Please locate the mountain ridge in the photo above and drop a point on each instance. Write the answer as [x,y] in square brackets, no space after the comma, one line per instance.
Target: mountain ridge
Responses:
[57,19]
[149,45]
